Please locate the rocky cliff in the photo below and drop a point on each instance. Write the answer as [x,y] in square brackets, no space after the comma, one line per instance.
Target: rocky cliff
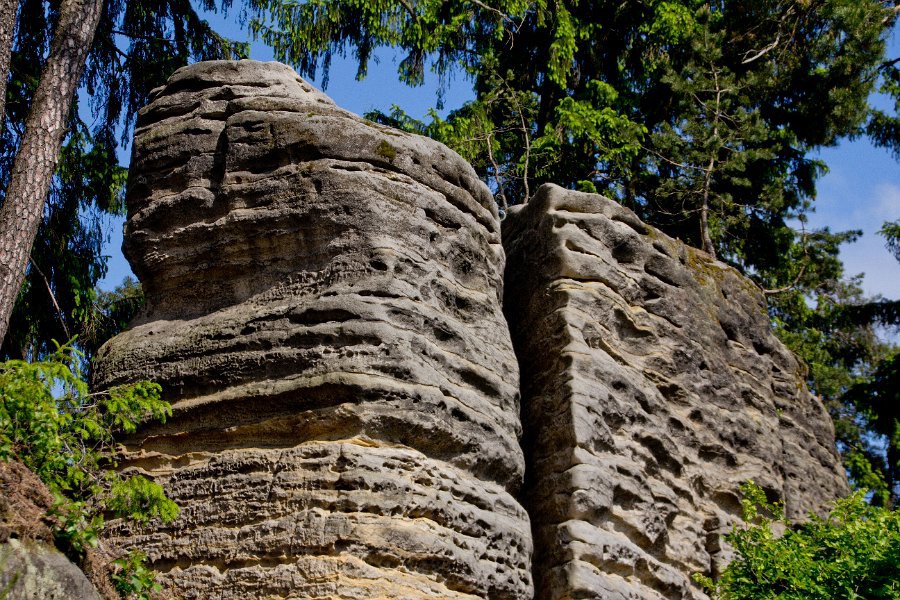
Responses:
[324,313]
[652,388]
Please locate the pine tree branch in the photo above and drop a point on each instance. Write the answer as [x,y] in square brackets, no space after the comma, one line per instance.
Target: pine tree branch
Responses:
[796,281]
[789,287]
[409,9]
[762,52]
[59,312]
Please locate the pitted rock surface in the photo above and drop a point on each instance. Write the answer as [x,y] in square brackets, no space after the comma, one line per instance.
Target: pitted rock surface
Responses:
[652,387]
[324,313]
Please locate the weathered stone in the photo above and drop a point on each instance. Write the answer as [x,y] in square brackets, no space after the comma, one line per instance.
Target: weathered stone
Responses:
[652,387]
[31,568]
[38,571]
[324,313]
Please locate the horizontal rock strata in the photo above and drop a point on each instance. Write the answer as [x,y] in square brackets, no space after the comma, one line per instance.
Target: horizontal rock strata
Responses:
[652,387]
[324,313]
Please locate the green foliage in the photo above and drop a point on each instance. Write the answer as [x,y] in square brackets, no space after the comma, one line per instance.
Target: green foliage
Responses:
[877,400]
[308,34]
[832,331]
[891,233]
[64,434]
[883,127]
[700,116]
[108,314]
[386,150]
[855,373]
[852,553]
[133,579]
[141,500]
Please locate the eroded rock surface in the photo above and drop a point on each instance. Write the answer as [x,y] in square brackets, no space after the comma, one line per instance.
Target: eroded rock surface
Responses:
[652,387]
[324,314]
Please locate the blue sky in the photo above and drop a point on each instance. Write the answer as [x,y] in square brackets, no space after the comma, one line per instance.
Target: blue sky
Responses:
[861,190]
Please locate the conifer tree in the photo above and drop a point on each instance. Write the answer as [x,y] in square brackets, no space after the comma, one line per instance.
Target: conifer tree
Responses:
[136,47]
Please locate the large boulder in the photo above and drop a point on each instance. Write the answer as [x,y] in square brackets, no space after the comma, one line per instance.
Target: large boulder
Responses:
[652,388]
[323,311]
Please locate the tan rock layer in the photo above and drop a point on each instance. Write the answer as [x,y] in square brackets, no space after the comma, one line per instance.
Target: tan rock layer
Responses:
[652,387]
[324,313]
[356,520]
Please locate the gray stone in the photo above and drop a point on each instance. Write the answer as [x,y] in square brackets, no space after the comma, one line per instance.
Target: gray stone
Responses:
[33,570]
[324,314]
[652,388]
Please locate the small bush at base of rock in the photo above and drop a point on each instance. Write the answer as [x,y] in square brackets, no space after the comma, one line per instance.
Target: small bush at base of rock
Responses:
[853,553]
[52,424]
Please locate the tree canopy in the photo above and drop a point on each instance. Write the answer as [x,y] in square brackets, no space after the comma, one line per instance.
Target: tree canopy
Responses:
[852,553]
[698,115]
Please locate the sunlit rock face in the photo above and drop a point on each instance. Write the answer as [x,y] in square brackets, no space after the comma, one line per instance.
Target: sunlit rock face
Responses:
[324,314]
[652,388]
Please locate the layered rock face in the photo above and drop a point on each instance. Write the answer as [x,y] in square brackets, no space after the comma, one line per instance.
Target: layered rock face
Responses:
[324,314]
[652,387]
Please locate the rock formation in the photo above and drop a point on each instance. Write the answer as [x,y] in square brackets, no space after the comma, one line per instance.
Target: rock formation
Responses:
[652,387]
[324,314]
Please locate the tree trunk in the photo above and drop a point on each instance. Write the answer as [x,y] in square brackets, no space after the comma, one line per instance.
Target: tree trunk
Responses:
[7,27]
[38,155]
[705,238]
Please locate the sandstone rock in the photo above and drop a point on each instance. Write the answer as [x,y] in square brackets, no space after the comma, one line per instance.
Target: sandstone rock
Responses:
[652,387]
[324,313]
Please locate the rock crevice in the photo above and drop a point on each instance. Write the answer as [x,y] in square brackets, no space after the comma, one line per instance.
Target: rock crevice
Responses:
[324,313]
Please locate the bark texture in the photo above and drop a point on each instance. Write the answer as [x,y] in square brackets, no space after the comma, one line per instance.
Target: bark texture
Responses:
[38,155]
[8,9]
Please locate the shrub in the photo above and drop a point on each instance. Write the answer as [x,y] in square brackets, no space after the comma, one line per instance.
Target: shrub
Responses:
[853,553]
[51,423]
